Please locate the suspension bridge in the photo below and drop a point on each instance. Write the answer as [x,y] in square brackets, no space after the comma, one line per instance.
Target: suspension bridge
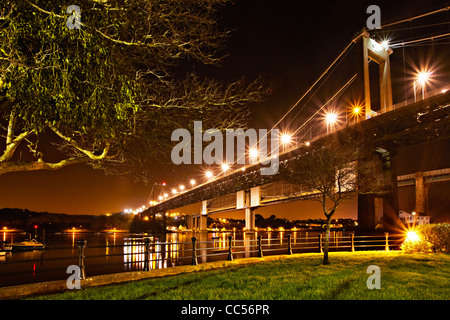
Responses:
[418,117]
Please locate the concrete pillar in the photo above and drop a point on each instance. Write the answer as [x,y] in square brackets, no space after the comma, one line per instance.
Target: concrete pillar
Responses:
[202,222]
[194,223]
[366,211]
[249,219]
[190,222]
[421,193]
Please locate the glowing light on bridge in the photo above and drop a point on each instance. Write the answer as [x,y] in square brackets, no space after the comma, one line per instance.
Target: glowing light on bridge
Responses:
[181,187]
[208,175]
[422,78]
[160,198]
[225,167]
[253,155]
[356,110]
[285,138]
[331,118]
[192,182]
[174,191]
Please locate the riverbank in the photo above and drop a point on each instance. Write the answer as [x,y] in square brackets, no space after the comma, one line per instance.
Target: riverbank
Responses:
[296,277]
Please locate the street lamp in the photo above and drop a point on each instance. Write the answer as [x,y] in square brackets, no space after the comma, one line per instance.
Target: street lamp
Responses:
[422,78]
[285,139]
[355,111]
[208,174]
[253,155]
[331,117]
[192,182]
[181,187]
[225,167]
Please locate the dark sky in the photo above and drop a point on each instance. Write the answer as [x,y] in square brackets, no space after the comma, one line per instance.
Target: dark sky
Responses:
[289,42]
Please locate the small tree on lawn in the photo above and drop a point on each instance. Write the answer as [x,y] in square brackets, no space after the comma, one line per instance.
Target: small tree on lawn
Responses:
[336,172]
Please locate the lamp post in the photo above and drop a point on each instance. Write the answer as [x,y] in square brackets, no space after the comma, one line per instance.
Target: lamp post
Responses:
[286,139]
[330,120]
[225,167]
[253,155]
[208,175]
[422,78]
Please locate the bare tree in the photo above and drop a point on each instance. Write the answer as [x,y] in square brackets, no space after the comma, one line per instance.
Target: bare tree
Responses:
[335,172]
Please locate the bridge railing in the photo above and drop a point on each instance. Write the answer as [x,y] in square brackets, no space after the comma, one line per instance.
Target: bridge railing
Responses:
[148,253]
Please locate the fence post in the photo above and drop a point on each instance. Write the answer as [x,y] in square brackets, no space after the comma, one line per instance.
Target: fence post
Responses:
[353,242]
[289,244]
[387,241]
[260,253]
[81,246]
[194,252]
[146,254]
[230,253]
[320,243]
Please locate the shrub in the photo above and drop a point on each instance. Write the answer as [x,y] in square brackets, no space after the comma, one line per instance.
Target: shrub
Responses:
[438,235]
[430,238]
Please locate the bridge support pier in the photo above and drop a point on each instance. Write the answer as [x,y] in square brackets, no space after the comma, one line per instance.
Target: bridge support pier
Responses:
[197,222]
[421,193]
[202,222]
[249,219]
[190,222]
[370,211]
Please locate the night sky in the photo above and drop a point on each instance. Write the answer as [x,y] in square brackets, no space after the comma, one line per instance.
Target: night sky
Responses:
[289,42]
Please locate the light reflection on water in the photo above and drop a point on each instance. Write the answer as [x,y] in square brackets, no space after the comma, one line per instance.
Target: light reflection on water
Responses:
[119,252]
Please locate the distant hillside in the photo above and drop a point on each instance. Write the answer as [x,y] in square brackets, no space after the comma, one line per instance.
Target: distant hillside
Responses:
[26,220]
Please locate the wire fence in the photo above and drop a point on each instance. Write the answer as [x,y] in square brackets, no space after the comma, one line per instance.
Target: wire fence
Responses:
[149,253]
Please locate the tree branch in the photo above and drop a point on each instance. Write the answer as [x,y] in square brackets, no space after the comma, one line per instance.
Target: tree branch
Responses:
[7,167]
[88,153]
[10,131]
[12,146]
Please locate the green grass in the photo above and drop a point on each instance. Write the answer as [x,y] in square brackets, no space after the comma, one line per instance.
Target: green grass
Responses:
[403,276]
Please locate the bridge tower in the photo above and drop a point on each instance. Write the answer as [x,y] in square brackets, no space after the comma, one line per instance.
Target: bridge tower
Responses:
[376,211]
[376,52]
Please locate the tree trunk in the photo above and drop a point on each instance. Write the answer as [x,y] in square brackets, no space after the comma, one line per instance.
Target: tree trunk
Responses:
[327,241]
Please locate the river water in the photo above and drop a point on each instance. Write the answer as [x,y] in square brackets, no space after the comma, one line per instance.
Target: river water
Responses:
[120,252]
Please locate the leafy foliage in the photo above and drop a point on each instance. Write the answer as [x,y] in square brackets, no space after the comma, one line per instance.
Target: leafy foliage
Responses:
[431,238]
[113,90]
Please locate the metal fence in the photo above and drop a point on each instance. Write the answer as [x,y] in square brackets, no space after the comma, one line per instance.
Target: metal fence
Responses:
[147,253]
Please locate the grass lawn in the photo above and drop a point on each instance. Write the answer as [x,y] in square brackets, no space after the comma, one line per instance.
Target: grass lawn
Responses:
[403,276]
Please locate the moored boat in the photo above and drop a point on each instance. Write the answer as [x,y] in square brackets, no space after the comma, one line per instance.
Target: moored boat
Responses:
[27,245]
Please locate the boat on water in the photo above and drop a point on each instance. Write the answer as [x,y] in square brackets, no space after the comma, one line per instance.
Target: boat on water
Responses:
[27,245]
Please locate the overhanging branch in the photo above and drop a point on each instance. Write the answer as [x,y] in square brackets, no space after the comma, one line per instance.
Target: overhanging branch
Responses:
[73,143]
